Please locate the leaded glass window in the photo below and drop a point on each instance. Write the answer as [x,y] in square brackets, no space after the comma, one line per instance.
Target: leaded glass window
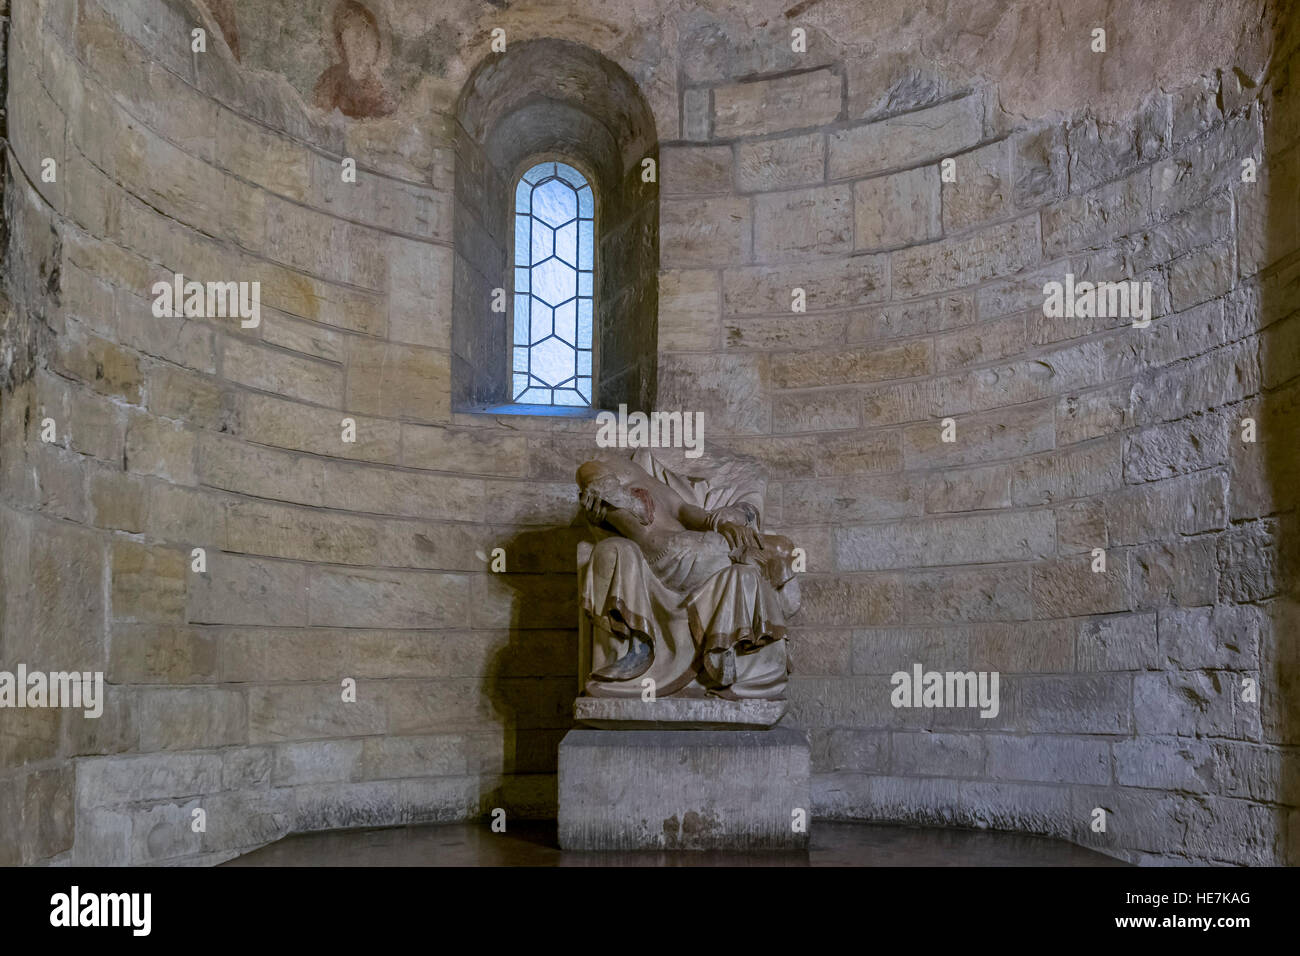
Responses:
[551,350]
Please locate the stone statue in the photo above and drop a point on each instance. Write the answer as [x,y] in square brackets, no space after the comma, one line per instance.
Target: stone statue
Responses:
[682,588]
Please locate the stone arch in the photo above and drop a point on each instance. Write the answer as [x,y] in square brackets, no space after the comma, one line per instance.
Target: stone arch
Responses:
[551,97]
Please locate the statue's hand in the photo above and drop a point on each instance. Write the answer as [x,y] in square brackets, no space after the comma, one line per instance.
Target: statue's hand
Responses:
[739,535]
[593,505]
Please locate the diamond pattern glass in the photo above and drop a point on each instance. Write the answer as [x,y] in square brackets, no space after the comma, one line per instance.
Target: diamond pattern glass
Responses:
[551,358]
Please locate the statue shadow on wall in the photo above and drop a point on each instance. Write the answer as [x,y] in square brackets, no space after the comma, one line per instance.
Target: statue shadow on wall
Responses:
[532,681]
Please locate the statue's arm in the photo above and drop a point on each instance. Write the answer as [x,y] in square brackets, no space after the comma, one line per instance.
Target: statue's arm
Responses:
[730,522]
[625,523]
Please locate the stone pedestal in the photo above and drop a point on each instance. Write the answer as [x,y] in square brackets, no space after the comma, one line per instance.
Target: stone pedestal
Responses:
[684,789]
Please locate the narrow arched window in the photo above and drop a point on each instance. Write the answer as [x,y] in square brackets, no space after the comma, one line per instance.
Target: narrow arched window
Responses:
[554,264]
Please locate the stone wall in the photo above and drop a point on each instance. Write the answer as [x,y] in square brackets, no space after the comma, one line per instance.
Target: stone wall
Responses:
[328,560]
[1121,688]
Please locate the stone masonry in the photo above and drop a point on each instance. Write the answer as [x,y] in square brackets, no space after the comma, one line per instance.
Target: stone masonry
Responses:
[819,171]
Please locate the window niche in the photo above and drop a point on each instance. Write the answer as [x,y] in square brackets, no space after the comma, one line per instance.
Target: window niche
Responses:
[552,101]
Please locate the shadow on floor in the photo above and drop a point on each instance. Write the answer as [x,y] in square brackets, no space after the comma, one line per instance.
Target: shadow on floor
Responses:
[534,844]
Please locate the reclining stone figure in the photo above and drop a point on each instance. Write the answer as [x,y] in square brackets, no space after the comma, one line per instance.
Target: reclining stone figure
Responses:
[683,588]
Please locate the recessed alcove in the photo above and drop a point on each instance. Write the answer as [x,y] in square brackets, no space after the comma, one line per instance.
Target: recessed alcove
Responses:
[562,101]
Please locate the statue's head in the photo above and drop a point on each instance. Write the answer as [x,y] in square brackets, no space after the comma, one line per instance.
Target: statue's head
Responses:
[621,484]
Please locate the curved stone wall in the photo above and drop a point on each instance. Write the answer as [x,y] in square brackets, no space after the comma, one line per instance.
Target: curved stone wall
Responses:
[328,559]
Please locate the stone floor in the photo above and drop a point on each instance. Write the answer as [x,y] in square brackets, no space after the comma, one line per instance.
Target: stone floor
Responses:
[533,844]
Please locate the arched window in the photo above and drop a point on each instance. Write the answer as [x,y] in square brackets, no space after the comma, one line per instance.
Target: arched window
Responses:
[555,272]
[554,285]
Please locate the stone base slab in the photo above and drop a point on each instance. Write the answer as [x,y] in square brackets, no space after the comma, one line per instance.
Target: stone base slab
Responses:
[684,790]
[677,713]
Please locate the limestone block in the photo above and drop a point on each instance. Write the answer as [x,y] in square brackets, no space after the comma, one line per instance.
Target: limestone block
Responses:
[1188,504]
[1068,587]
[953,263]
[906,140]
[696,114]
[1006,433]
[164,449]
[781,163]
[970,489]
[1163,451]
[1093,704]
[1218,638]
[1068,473]
[761,107]
[419,293]
[162,654]
[268,420]
[727,387]
[804,223]
[466,450]
[694,170]
[106,781]
[148,582]
[398,381]
[897,210]
[283,373]
[315,761]
[982,189]
[831,284]
[1038,164]
[858,497]
[688,310]
[242,590]
[705,231]
[1181,572]
[797,330]
[965,539]
[1117,643]
[816,410]
[979,344]
[356,598]
[659,789]
[851,366]
[191,718]
[298,712]
[937,754]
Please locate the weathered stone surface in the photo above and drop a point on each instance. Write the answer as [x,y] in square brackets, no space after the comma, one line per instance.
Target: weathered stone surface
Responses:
[1010,536]
[1051,759]
[804,223]
[778,171]
[906,140]
[683,790]
[726,387]
[398,382]
[705,232]
[771,106]
[851,366]
[897,210]
[955,263]
[695,170]
[826,285]
[689,304]
[982,190]
[781,163]
[1091,219]
[677,713]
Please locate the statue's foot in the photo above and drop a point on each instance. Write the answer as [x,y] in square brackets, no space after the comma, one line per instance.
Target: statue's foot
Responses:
[633,664]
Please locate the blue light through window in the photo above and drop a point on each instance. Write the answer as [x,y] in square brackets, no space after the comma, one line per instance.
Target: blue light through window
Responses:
[554,278]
